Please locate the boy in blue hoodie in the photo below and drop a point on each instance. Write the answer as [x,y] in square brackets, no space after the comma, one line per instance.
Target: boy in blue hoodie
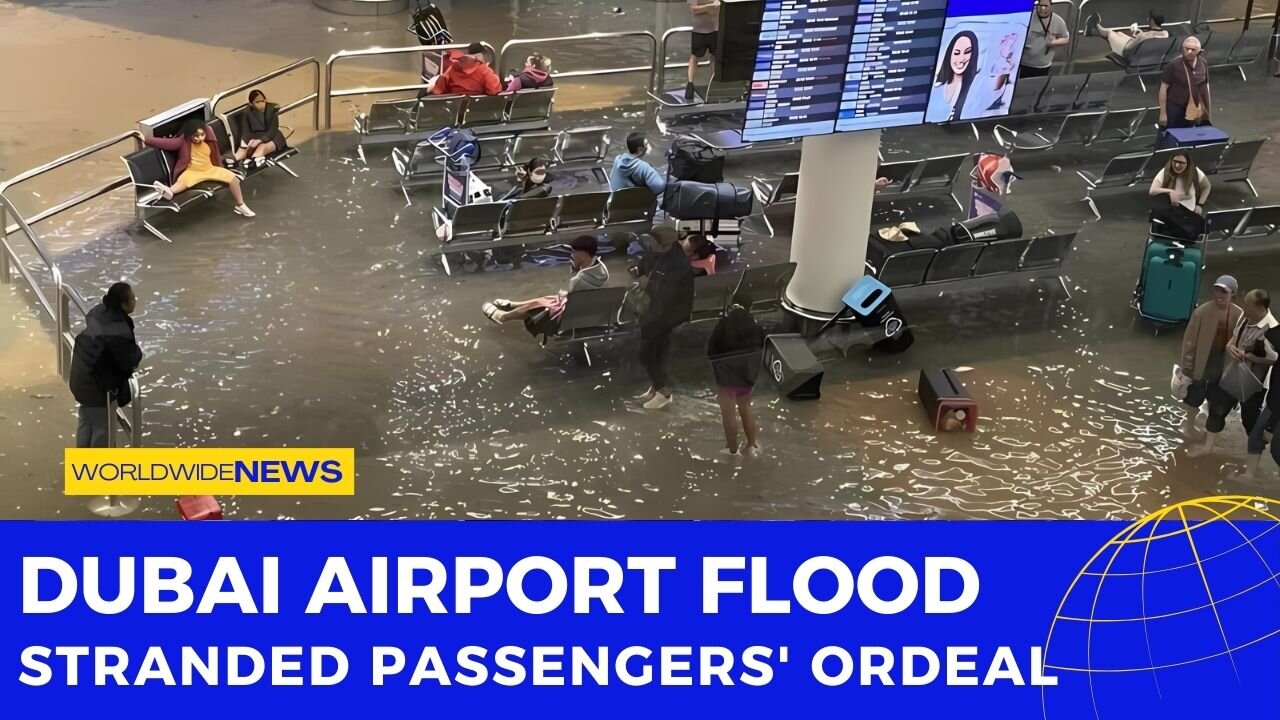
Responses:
[630,170]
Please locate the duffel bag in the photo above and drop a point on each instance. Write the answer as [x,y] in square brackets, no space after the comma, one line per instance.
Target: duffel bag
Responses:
[691,159]
[686,200]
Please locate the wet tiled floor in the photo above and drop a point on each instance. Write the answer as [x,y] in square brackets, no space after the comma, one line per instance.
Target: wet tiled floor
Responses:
[325,322]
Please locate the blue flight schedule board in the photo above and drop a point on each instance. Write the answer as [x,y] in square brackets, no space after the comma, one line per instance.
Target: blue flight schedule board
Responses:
[825,66]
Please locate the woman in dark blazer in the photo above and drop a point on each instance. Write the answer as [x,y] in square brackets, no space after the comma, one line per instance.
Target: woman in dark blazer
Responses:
[257,131]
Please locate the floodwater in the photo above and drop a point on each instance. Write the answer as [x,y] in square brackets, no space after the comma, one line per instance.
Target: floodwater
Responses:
[325,322]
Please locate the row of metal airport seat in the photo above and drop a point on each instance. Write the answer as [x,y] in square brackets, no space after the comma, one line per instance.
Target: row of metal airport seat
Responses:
[1246,223]
[546,221]
[1227,162]
[1148,57]
[573,147]
[1083,128]
[935,176]
[150,165]
[603,313]
[986,261]
[407,120]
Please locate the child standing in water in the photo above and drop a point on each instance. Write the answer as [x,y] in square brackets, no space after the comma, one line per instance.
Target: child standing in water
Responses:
[735,350]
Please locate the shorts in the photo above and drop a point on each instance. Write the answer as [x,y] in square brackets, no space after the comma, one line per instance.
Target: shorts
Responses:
[703,43]
[736,392]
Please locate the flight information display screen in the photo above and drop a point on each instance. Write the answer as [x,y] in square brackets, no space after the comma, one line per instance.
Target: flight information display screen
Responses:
[825,66]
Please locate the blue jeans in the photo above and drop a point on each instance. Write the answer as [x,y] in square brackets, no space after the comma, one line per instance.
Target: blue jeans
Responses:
[1257,443]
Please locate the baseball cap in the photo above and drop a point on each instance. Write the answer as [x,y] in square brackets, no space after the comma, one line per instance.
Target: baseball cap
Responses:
[1228,283]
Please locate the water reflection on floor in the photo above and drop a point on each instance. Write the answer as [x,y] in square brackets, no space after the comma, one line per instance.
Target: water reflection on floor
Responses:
[323,322]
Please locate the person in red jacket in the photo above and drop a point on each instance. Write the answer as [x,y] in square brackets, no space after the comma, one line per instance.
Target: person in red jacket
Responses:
[469,75]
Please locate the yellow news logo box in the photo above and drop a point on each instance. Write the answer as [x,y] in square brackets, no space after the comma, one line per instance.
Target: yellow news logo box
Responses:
[209,471]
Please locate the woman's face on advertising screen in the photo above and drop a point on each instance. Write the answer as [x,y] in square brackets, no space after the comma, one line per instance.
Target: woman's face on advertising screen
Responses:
[961,55]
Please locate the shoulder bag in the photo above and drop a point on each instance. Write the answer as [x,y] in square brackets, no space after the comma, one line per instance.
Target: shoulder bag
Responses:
[1194,110]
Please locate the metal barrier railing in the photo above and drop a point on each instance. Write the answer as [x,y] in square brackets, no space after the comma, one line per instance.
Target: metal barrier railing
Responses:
[67,296]
[654,59]
[313,98]
[330,93]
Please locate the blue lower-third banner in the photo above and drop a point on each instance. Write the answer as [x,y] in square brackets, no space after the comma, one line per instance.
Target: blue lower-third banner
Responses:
[1176,615]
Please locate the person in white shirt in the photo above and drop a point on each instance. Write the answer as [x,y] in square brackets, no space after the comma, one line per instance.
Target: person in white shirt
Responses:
[1183,183]
[1122,40]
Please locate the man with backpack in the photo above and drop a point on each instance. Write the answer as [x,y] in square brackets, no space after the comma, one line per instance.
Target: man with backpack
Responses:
[105,356]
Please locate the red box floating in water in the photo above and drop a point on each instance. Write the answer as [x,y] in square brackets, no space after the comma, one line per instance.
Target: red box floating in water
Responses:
[199,507]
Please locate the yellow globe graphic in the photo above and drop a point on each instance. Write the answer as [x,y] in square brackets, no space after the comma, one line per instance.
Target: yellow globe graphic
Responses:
[1178,615]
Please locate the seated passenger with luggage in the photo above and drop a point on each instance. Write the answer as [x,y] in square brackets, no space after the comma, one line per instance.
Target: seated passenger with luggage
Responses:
[1178,195]
[589,273]
[469,74]
[631,170]
[258,131]
[531,181]
[198,161]
[536,74]
[1124,40]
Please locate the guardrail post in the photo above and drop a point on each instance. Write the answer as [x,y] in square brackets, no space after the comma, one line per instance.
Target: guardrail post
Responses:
[4,252]
[64,328]
[135,414]
[315,106]
[328,92]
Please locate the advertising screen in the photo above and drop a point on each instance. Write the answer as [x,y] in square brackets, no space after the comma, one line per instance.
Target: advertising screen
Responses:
[978,63]
[825,66]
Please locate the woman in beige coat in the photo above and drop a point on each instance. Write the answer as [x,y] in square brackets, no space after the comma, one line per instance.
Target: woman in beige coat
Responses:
[1204,355]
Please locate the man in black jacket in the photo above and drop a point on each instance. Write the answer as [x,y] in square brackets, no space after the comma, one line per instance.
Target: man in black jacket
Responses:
[105,357]
[669,287]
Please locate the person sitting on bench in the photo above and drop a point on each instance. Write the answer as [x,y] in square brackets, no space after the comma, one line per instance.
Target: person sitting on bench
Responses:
[630,169]
[531,181]
[1185,189]
[589,273]
[536,74]
[1123,40]
[470,74]
[198,161]
[701,252]
[258,130]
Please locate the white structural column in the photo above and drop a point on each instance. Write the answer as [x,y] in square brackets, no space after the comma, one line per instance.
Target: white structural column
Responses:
[833,217]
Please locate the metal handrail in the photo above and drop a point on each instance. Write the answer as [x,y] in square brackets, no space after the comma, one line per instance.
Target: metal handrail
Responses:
[313,98]
[654,60]
[1246,20]
[660,82]
[67,295]
[330,93]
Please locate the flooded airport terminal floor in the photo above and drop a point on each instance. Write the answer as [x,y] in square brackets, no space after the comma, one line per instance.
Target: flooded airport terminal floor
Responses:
[326,322]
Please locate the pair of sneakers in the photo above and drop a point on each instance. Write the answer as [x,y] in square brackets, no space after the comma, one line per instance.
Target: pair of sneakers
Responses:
[653,400]
[167,193]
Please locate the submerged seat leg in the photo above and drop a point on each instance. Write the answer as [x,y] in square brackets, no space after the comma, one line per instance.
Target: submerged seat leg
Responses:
[146,224]
[285,168]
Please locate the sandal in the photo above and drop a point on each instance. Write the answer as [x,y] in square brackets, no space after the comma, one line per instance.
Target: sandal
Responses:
[504,304]
[163,189]
[490,311]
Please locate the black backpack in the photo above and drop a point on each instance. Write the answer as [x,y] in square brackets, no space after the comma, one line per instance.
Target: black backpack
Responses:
[691,159]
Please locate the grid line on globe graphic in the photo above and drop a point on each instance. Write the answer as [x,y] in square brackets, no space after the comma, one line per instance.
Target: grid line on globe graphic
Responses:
[1182,598]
